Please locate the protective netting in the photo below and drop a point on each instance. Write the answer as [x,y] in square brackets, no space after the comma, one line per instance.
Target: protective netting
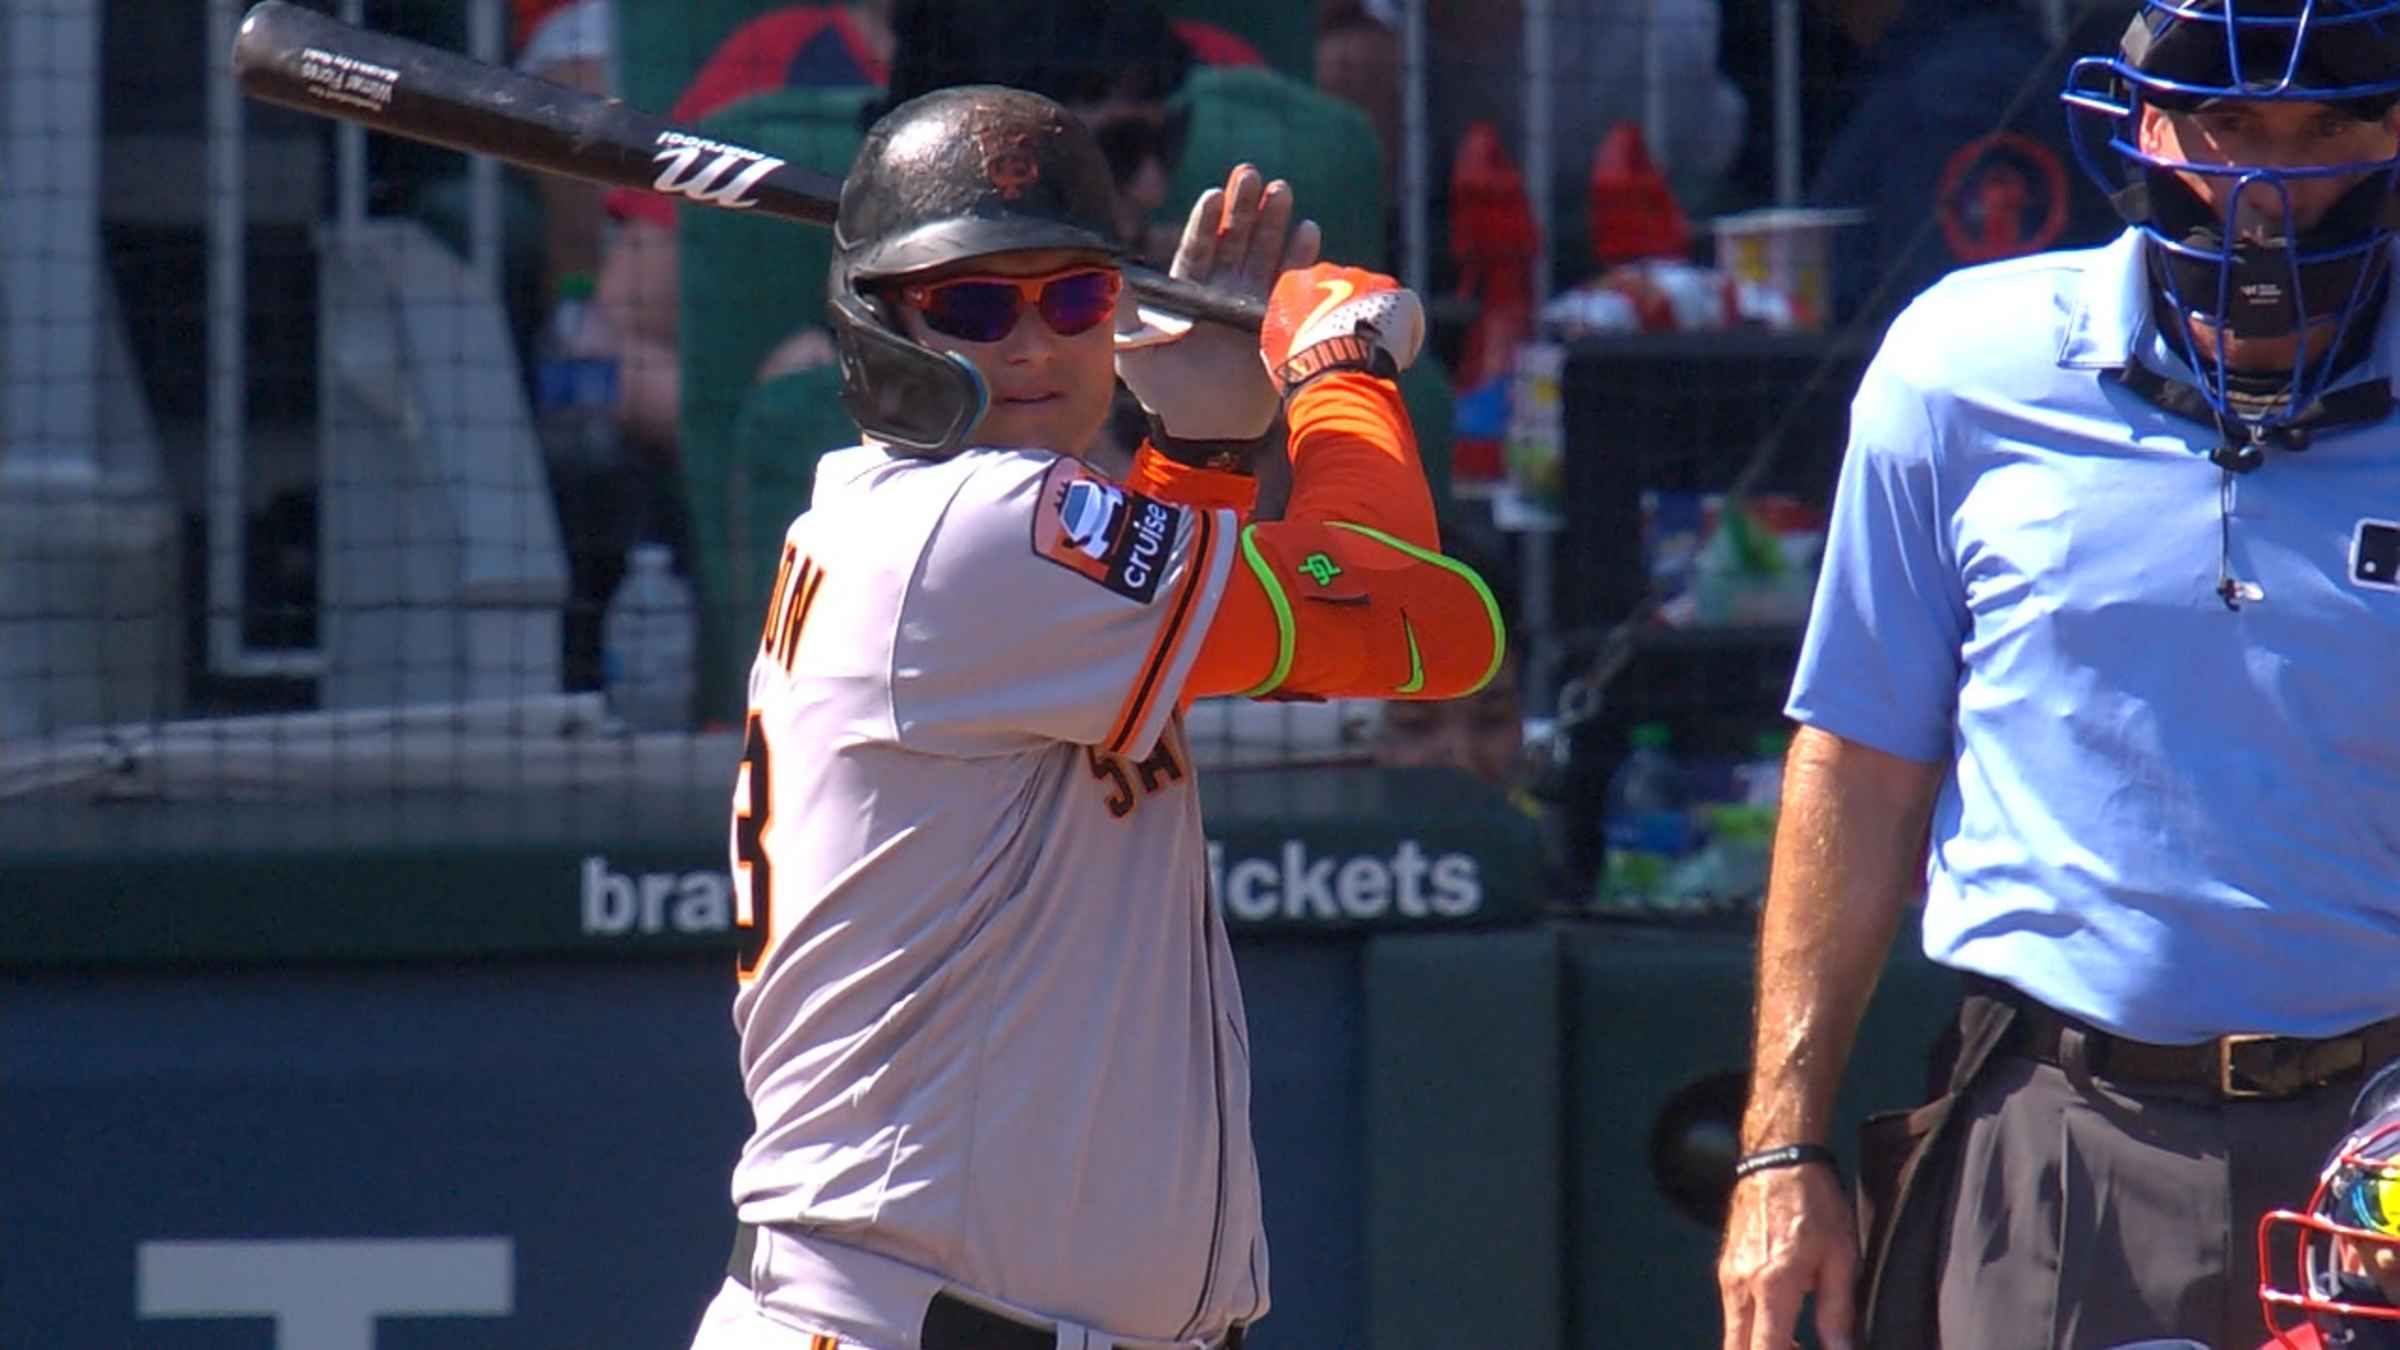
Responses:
[337,466]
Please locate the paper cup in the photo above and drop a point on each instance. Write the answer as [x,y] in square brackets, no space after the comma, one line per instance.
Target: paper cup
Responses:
[1788,250]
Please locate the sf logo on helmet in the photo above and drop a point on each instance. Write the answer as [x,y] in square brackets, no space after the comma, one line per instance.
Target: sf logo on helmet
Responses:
[725,179]
[1009,162]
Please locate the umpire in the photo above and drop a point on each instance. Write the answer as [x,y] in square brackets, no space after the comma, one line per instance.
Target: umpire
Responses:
[2106,656]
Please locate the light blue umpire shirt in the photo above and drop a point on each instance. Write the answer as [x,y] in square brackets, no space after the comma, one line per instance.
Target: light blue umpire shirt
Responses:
[2173,818]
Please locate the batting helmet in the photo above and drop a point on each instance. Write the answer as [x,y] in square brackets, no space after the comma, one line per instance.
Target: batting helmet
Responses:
[955,174]
[2178,55]
[2333,1245]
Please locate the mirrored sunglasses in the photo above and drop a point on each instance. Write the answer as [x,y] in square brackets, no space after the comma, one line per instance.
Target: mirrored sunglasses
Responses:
[986,308]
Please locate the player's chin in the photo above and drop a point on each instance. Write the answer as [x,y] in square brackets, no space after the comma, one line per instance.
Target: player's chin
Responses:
[1058,422]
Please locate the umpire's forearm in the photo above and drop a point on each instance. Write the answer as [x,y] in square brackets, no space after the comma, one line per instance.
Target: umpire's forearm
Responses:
[1849,852]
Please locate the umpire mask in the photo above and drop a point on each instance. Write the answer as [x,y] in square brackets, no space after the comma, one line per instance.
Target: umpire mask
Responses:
[2278,277]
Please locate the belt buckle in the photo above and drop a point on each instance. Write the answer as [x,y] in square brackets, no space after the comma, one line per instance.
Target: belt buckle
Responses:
[2226,1087]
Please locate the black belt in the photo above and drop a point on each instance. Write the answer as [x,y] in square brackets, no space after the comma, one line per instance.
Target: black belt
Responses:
[952,1323]
[2239,1067]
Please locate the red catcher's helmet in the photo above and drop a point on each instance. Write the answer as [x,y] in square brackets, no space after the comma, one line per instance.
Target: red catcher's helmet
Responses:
[2352,1217]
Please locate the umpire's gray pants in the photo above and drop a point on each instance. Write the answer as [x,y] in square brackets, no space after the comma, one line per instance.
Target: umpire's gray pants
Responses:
[2088,1217]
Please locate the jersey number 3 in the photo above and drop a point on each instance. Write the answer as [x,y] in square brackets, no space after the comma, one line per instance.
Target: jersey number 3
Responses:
[753,871]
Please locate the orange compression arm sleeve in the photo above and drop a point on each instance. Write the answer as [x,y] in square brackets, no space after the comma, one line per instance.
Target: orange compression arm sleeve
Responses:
[1155,475]
[1347,595]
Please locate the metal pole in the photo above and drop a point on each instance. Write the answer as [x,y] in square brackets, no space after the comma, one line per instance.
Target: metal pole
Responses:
[1538,153]
[484,33]
[1416,160]
[228,410]
[1657,108]
[226,375]
[350,151]
[1787,102]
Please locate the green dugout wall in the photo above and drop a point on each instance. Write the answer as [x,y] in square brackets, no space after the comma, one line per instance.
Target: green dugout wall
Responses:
[1458,1102]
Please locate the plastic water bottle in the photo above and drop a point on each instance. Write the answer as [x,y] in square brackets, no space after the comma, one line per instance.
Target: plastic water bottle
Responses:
[1648,820]
[648,637]
[1731,869]
[575,384]
[1760,779]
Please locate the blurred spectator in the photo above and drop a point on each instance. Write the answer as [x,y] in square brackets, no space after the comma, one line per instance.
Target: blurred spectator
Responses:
[1358,61]
[637,273]
[1828,70]
[603,504]
[799,46]
[1482,734]
[1653,62]
[1957,147]
[1115,64]
[568,42]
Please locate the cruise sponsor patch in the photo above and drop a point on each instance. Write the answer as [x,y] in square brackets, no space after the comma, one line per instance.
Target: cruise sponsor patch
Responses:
[2375,554]
[1097,528]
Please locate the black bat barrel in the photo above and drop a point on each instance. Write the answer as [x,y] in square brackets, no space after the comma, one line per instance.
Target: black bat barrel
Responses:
[302,59]
[298,58]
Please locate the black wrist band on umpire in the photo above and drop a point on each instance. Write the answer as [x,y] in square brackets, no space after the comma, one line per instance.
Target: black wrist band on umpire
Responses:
[1790,1155]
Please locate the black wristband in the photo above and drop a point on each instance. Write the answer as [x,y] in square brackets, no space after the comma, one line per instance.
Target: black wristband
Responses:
[1790,1155]
[1220,456]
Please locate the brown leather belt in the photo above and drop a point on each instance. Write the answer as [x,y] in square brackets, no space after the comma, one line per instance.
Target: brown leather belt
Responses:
[952,1323]
[2235,1068]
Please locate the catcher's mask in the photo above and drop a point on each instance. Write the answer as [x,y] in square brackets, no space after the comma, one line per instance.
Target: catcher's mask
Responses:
[955,174]
[2327,1249]
[2178,55]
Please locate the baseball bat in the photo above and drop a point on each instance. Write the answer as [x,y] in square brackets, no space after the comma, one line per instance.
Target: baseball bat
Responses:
[298,58]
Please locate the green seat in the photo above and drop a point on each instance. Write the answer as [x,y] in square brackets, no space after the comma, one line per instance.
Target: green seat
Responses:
[661,47]
[1284,33]
[1325,147]
[748,283]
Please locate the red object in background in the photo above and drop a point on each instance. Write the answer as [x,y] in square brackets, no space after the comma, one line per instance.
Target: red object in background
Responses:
[527,15]
[1634,214]
[1494,239]
[1211,45]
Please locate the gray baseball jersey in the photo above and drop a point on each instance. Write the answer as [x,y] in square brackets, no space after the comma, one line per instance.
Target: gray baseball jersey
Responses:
[990,1025]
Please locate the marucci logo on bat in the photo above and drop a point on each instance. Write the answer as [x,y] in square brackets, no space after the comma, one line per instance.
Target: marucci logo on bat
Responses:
[726,179]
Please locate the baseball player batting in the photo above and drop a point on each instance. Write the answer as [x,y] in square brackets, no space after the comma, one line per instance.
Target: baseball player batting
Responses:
[989,1023]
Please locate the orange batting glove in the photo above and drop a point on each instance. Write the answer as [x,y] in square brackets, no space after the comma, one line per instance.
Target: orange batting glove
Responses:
[1328,317]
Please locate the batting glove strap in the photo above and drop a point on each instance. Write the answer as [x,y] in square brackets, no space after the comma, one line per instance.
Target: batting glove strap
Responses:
[1218,456]
[1357,351]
